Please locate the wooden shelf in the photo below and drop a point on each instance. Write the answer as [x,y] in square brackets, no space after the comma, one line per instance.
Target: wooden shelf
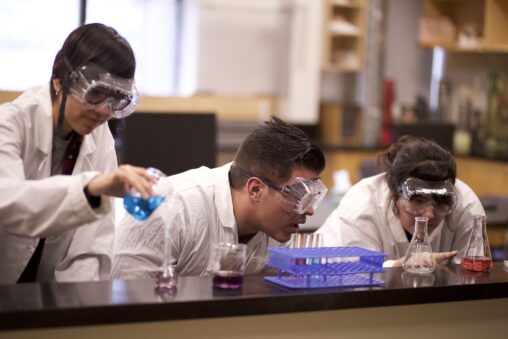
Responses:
[346,35]
[340,68]
[488,17]
[455,48]
[355,5]
[347,4]
[340,125]
[343,35]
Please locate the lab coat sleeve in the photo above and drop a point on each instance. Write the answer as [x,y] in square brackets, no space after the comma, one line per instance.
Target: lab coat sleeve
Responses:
[352,223]
[46,207]
[43,207]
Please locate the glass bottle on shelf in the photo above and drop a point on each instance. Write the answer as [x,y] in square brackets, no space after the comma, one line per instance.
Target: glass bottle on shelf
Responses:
[477,256]
[419,258]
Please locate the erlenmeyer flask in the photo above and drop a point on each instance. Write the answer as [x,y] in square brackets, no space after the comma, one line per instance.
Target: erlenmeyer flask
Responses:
[141,208]
[477,256]
[419,258]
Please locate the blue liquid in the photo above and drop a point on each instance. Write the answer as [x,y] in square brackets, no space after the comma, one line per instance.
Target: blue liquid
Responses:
[141,208]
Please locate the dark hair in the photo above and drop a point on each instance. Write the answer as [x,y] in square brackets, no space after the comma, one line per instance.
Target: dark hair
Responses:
[415,157]
[94,43]
[272,150]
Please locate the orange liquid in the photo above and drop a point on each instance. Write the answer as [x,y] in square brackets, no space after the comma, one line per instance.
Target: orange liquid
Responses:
[477,264]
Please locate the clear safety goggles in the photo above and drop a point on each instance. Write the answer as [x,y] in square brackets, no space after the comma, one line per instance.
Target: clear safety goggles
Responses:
[300,196]
[97,88]
[418,195]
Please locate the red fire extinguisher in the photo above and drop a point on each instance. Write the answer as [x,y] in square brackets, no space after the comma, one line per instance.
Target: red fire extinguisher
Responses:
[388,98]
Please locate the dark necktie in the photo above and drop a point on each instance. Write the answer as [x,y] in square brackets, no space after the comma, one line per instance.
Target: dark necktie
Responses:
[69,160]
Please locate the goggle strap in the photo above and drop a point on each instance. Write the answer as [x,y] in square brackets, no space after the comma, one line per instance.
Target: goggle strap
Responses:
[287,192]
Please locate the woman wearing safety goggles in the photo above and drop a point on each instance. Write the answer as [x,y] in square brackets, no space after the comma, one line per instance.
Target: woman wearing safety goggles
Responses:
[99,90]
[421,198]
[59,166]
[419,180]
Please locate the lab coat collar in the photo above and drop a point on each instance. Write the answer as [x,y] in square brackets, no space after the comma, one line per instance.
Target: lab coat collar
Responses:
[392,221]
[395,225]
[43,119]
[383,204]
[43,125]
[223,199]
[435,236]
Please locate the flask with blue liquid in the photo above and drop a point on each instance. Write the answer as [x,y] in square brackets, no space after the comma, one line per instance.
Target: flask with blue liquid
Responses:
[140,208]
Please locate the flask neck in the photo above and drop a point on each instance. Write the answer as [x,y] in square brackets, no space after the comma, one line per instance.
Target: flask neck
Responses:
[420,229]
[480,224]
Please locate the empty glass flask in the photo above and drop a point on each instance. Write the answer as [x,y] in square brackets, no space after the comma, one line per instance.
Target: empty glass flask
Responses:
[419,258]
[477,256]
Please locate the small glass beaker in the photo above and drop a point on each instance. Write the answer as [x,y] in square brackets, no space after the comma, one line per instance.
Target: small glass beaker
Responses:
[477,256]
[228,265]
[140,208]
[419,258]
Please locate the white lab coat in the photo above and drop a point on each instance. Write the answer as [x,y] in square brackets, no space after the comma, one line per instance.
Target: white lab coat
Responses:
[33,204]
[365,218]
[202,206]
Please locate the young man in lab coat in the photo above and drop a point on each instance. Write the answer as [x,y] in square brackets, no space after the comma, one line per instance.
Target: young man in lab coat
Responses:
[259,199]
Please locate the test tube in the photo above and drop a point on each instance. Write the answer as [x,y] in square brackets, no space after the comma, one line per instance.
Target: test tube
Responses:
[296,240]
[166,278]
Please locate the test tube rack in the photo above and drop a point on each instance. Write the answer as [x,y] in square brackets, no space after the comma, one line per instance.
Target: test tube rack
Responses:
[325,267]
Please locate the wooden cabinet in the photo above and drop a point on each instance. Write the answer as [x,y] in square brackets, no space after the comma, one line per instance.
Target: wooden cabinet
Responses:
[344,32]
[340,125]
[465,25]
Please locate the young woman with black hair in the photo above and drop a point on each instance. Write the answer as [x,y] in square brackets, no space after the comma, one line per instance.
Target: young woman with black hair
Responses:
[419,179]
[58,167]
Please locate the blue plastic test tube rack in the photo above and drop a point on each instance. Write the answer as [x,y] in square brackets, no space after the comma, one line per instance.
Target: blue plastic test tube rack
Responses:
[325,267]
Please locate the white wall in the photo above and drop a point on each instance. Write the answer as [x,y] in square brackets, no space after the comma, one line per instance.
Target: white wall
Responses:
[238,46]
[299,97]
[407,63]
[244,47]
